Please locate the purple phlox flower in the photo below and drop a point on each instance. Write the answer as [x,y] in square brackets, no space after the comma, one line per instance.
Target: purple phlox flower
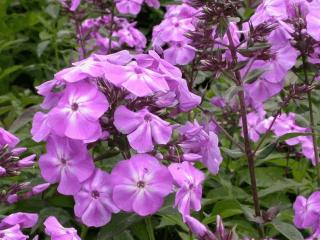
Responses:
[137,80]
[40,129]
[131,36]
[179,53]
[272,80]
[172,29]
[196,140]
[129,6]
[313,20]
[307,148]
[154,62]
[307,211]
[68,162]
[253,119]
[87,68]
[269,9]
[57,232]
[119,58]
[187,100]
[181,11]
[24,220]
[218,101]
[51,93]
[189,181]
[153,3]
[94,204]
[82,104]
[12,233]
[6,138]
[285,124]
[141,184]
[144,129]
[40,188]
[198,229]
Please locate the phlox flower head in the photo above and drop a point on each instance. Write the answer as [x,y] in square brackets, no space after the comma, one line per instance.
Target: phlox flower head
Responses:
[82,104]
[143,128]
[57,232]
[129,7]
[68,162]
[94,204]
[140,184]
[189,181]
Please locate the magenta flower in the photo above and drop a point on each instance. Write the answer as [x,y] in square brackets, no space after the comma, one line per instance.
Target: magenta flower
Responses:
[57,232]
[131,36]
[67,162]
[154,62]
[24,220]
[49,91]
[12,233]
[144,129]
[40,128]
[140,184]
[94,204]
[179,53]
[129,6]
[197,141]
[153,3]
[307,211]
[198,229]
[74,4]
[81,105]
[137,80]
[313,20]
[189,181]
[6,138]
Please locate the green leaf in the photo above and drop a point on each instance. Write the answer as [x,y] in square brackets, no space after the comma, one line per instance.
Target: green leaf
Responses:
[119,223]
[224,208]
[42,47]
[253,75]
[232,92]
[287,230]
[292,135]
[233,153]
[24,118]
[266,151]
[279,186]
[9,71]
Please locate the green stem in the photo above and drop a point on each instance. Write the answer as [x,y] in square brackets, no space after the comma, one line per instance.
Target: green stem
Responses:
[84,231]
[149,228]
[312,121]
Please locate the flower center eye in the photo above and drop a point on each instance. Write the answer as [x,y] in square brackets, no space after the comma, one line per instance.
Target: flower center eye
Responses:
[95,194]
[147,118]
[64,161]
[74,106]
[140,184]
[137,70]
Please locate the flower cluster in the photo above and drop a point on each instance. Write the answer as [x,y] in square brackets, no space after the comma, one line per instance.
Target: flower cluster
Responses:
[282,125]
[97,34]
[307,214]
[178,21]
[11,164]
[123,99]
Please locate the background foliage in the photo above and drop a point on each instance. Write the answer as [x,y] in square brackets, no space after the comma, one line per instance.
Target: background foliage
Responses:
[37,40]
